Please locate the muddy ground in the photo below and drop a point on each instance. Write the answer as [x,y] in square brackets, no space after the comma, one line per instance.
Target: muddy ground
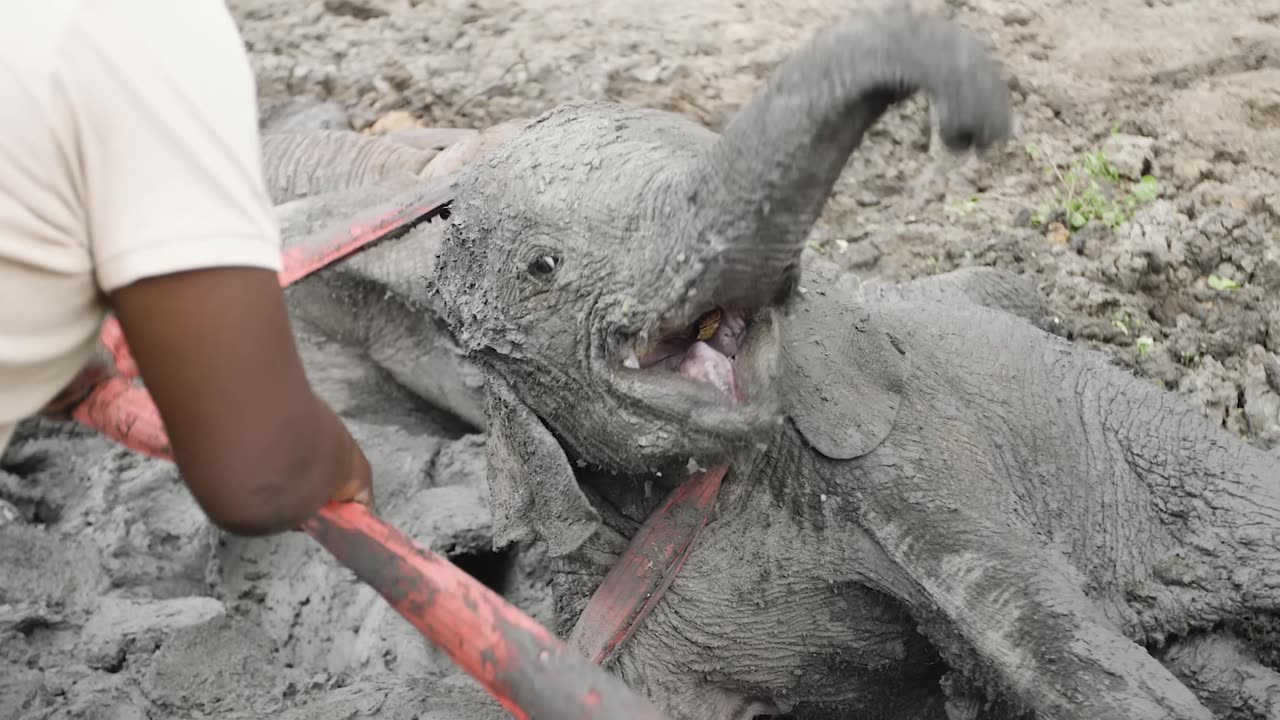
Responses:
[117,601]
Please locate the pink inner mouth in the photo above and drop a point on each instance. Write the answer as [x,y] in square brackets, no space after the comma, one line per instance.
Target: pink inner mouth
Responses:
[712,361]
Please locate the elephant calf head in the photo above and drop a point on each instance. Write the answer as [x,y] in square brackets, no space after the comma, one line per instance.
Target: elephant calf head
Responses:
[619,273]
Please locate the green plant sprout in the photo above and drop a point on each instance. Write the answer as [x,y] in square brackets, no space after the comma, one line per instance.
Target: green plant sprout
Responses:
[1091,190]
[1124,321]
[1217,282]
[1145,344]
[962,208]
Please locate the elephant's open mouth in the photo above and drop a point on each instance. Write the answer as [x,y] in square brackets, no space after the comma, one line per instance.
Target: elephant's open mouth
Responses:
[705,350]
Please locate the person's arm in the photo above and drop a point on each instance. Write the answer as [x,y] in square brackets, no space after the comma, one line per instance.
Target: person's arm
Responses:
[185,244]
[258,449]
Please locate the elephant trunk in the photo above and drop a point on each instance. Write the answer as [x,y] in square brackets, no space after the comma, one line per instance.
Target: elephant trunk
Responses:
[758,190]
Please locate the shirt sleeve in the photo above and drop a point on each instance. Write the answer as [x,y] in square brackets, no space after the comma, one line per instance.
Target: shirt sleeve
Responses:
[166,118]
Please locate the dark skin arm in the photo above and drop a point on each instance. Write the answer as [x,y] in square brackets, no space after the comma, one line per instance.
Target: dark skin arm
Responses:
[259,450]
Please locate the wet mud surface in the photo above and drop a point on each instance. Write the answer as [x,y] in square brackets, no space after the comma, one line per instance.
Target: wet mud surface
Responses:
[119,602]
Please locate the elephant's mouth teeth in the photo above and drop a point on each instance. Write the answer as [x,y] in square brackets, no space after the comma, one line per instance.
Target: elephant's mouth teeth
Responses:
[705,350]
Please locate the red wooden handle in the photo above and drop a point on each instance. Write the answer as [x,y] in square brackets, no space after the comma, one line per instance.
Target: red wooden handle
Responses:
[519,662]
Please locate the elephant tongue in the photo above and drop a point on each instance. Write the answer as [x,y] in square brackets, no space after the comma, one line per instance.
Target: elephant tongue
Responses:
[706,364]
[711,358]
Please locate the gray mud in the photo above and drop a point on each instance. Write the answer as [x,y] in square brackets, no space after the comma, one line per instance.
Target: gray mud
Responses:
[119,602]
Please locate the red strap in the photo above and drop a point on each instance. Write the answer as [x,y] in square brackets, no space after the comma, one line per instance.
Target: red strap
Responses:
[640,578]
[326,248]
[531,672]
[124,412]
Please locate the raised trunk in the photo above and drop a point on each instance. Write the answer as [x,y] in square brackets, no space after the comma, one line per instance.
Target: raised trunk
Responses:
[761,187]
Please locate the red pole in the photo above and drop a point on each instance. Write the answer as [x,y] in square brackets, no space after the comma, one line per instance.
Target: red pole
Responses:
[531,672]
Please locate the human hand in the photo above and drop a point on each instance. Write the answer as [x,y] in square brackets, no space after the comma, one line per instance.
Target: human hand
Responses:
[359,485]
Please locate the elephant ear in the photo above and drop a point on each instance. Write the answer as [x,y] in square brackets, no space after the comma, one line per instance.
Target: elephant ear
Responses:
[532,489]
[845,373]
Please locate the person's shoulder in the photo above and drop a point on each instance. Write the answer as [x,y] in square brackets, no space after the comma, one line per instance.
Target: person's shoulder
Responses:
[32,35]
[159,30]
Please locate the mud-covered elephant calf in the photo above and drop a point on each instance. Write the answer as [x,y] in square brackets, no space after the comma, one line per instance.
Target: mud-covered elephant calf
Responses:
[929,502]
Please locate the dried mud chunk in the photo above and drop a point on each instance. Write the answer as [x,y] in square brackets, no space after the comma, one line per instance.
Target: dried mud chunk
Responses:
[358,9]
[394,121]
[103,696]
[20,690]
[1261,402]
[23,617]
[1141,249]
[1235,327]
[123,626]
[44,568]
[1213,241]
[225,667]
[454,519]
[1131,155]
[300,115]
[1267,272]
[1190,170]
[1273,328]
[8,513]
[1211,387]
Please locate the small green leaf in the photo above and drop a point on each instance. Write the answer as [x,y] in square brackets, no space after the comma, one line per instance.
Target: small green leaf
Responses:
[1121,326]
[1078,220]
[1146,189]
[1145,344]
[1217,282]
[1032,149]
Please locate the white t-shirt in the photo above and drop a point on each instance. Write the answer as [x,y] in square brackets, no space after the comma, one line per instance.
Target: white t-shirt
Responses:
[129,147]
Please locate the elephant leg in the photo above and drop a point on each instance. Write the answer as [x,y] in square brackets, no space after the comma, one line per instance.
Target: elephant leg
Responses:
[431,139]
[298,165]
[1226,676]
[1010,613]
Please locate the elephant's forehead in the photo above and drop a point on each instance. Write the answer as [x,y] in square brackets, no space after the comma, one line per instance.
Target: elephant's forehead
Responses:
[588,149]
[583,126]
[565,194]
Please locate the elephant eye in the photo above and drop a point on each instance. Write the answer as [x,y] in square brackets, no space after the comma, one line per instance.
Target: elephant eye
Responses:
[544,265]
